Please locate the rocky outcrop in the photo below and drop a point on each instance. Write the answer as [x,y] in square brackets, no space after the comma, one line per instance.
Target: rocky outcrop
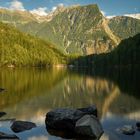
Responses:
[110,32]
[65,118]
[89,125]
[124,27]
[20,126]
[74,122]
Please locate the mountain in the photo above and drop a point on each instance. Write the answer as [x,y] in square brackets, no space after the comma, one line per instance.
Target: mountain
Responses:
[79,30]
[76,30]
[18,49]
[27,21]
[127,53]
[124,27]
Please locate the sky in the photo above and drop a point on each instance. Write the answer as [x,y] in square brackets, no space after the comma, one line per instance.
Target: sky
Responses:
[42,7]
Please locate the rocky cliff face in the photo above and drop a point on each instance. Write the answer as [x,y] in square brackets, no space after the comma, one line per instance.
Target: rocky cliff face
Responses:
[80,30]
[124,27]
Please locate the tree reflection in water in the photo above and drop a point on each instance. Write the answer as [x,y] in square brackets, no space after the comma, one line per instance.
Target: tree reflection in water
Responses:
[32,92]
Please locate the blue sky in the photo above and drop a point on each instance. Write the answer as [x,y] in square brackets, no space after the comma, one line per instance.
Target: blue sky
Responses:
[110,7]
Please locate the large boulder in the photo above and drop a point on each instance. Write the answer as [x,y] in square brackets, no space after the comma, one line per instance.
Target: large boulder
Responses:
[65,119]
[89,126]
[5,136]
[19,126]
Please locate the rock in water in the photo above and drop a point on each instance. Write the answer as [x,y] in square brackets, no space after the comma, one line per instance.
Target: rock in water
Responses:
[2,89]
[19,126]
[5,136]
[91,110]
[90,126]
[2,114]
[138,126]
[127,130]
[63,119]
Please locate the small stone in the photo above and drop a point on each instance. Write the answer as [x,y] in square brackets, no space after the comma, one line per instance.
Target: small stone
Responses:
[5,136]
[19,126]
[127,130]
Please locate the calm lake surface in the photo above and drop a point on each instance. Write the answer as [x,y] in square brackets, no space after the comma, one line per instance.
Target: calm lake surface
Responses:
[32,92]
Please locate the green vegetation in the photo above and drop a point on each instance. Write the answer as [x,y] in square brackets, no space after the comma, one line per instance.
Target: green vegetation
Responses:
[19,49]
[127,53]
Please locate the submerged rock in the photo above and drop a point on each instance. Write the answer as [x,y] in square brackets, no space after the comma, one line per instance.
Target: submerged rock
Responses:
[89,125]
[19,126]
[5,136]
[127,130]
[138,126]
[65,119]
[2,114]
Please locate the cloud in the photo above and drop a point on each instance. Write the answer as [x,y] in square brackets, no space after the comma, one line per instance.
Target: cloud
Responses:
[42,11]
[103,12]
[112,16]
[137,16]
[60,5]
[16,5]
[54,8]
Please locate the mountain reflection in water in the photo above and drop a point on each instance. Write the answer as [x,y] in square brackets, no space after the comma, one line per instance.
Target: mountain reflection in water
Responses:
[31,93]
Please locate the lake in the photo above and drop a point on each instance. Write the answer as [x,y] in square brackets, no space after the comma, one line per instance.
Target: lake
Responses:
[32,92]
